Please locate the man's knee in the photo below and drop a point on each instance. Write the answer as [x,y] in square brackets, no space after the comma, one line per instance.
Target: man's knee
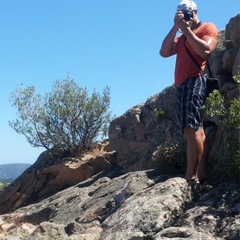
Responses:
[193,133]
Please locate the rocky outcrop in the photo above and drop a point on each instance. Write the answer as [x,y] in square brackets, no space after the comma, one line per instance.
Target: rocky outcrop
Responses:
[136,134]
[137,205]
[48,176]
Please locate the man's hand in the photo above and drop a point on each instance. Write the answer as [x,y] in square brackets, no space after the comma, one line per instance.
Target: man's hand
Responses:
[180,23]
[169,46]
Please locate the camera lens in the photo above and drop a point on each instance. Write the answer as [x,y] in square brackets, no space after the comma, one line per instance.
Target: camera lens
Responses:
[188,15]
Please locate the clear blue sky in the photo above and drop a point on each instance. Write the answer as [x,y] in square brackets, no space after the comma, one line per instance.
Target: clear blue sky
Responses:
[98,43]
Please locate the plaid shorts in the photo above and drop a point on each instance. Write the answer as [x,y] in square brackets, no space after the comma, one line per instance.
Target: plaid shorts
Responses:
[191,95]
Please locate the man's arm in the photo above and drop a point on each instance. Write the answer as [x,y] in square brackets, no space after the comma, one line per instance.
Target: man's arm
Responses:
[203,47]
[169,46]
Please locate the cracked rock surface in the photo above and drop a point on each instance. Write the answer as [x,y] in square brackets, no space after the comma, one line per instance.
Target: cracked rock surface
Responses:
[136,205]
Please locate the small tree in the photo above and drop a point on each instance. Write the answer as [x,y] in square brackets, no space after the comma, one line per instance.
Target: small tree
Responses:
[66,119]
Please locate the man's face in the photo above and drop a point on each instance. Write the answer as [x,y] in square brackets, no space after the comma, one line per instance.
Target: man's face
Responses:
[188,15]
[192,19]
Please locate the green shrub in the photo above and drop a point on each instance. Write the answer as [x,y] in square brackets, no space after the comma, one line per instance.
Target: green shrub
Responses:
[228,167]
[3,186]
[215,104]
[237,78]
[171,158]
[160,114]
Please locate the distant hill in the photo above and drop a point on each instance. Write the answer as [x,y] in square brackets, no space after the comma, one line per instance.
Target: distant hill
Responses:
[9,172]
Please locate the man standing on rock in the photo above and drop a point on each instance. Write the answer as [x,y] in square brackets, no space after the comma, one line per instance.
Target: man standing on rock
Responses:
[200,40]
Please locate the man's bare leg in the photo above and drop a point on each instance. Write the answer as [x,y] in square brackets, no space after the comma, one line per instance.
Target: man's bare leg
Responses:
[202,165]
[195,146]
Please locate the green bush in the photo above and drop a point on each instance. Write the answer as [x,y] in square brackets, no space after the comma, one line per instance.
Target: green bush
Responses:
[3,186]
[66,119]
[237,78]
[228,167]
[160,114]
[171,158]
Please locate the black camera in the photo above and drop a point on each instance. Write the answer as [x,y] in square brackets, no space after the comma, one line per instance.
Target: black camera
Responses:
[188,15]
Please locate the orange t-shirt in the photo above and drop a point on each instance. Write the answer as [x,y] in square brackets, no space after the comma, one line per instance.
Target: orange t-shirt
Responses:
[185,67]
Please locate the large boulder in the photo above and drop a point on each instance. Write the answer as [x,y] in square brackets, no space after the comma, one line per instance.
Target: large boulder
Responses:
[236,65]
[48,176]
[229,59]
[138,132]
[233,32]
[232,36]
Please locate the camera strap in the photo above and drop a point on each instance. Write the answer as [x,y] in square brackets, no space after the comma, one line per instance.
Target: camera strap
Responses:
[195,61]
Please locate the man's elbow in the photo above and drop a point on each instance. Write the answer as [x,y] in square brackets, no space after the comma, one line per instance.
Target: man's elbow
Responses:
[206,55]
[163,53]
[211,46]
